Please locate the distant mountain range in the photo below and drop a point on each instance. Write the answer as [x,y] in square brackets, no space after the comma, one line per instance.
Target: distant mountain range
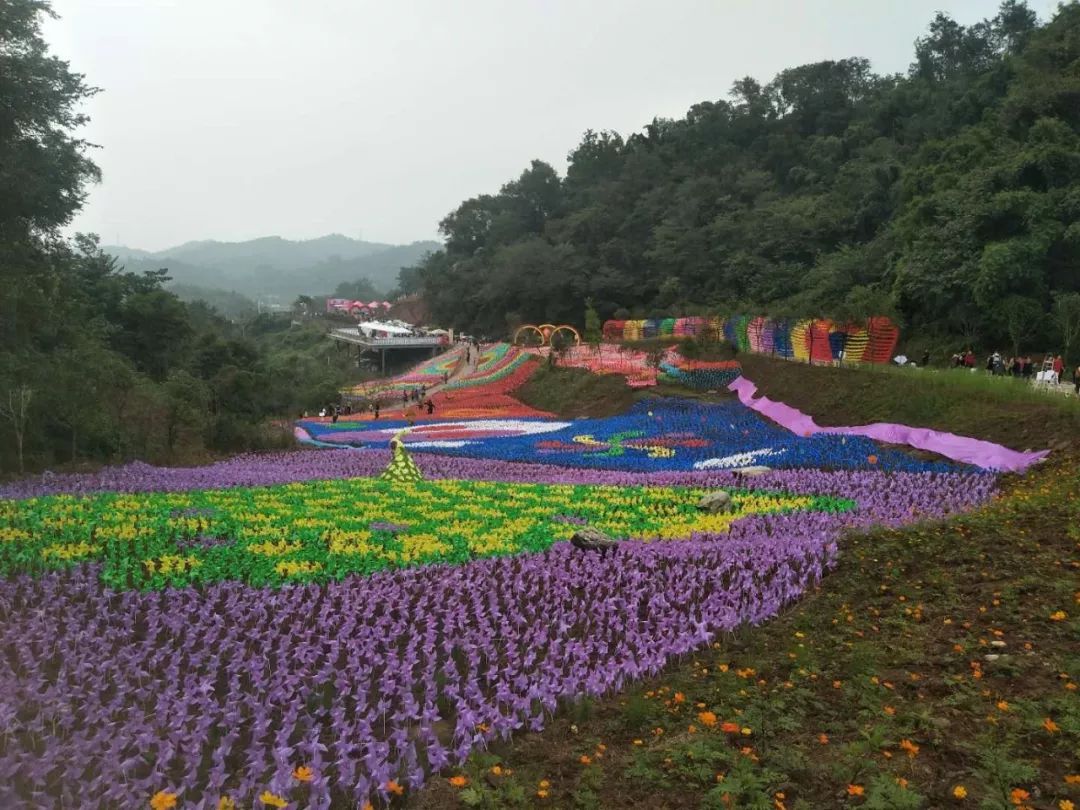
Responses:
[273,266]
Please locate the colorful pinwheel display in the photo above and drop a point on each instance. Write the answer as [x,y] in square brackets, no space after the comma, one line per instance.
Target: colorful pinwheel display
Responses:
[368,685]
[291,630]
[324,530]
[699,374]
[871,341]
[609,358]
[665,434]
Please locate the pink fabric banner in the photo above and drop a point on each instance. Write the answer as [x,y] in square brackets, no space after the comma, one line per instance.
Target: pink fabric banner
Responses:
[988,455]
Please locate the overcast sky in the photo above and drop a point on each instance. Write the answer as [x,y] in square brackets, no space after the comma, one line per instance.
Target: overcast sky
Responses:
[231,119]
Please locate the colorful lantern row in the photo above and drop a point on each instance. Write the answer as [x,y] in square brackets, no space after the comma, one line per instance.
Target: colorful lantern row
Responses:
[818,340]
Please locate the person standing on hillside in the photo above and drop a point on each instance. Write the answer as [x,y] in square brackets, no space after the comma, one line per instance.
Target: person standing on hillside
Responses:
[1059,367]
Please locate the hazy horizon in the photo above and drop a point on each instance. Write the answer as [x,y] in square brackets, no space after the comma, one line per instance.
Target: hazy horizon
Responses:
[249,119]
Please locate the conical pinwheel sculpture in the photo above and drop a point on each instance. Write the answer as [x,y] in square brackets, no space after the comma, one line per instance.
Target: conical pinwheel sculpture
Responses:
[401,468]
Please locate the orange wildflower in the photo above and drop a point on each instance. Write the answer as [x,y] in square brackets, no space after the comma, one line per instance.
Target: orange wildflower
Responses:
[911,748]
[680,697]
[458,781]
[730,728]
[823,738]
[541,794]
[707,719]
[394,788]
[1058,616]
[303,774]
[585,759]
[163,800]
[1019,796]
[1050,726]
[1072,779]
[889,710]
[959,792]
[855,790]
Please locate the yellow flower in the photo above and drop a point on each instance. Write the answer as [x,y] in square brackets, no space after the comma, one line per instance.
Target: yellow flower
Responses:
[1058,616]
[303,774]
[226,803]
[1065,804]
[541,794]
[959,792]
[163,800]
[288,568]
[544,784]
[272,799]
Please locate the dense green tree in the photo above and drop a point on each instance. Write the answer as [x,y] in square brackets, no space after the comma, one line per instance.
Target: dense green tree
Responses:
[935,195]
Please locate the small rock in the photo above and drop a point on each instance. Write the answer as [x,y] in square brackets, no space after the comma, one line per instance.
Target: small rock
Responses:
[997,643]
[589,539]
[751,472]
[991,657]
[714,502]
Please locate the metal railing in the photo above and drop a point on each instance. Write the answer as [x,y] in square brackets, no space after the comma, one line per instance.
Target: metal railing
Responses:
[352,336]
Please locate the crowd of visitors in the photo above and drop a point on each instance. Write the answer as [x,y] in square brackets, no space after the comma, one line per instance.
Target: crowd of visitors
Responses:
[1021,366]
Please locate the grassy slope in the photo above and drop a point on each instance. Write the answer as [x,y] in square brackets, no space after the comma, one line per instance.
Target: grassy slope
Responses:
[996,409]
[892,649]
[574,392]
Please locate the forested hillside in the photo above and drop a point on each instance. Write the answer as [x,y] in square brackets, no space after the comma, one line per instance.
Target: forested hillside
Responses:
[948,197]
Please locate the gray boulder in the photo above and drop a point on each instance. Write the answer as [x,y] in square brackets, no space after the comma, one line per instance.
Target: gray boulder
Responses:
[715,502]
[751,472]
[589,539]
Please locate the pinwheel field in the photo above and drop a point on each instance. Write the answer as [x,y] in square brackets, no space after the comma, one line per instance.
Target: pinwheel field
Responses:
[291,630]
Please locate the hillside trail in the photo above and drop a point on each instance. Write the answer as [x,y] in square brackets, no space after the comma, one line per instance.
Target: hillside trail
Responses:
[462,371]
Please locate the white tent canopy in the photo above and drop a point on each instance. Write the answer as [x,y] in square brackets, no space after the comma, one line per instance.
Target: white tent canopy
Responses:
[375,326]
